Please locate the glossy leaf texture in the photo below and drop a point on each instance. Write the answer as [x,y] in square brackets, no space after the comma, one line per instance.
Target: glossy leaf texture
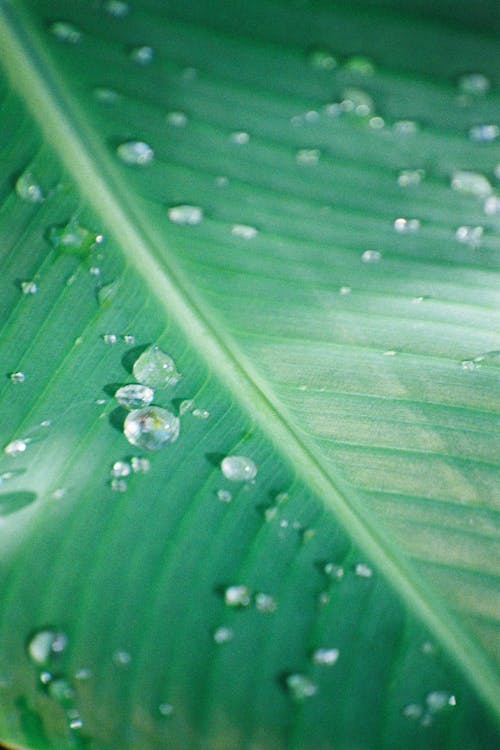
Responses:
[298,203]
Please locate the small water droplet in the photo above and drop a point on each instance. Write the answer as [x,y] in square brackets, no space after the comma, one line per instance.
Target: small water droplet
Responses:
[390,353]
[75,721]
[189,74]
[59,493]
[129,339]
[224,496]
[45,644]
[15,447]
[377,123]
[155,368]
[406,226]
[438,700]
[177,119]
[357,101]
[134,396]
[405,127]
[270,514]
[223,635]
[410,177]
[73,238]
[471,183]
[469,364]
[29,287]
[118,485]
[322,59]
[300,687]
[237,596]
[491,205]
[28,188]
[17,377]
[45,677]
[474,84]
[265,603]
[166,709]
[307,157]
[201,413]
[363,570]
[65,32]
[240,137]
[428,648]
[281,497]
[84,673]
[137,153]
[150,428]
[110,338]
[221,181]
[120,469]
[121,658]
[61,691]
[491,358]
[116,8]
[105,95]
[469,235]
[238,468]
[371,256]
[140,465]
[142,55]
[94,271]
[107,292]
[186,406]
[333,571]
[244,231]
[325,657]
[484,133]
[185,214]
[412,711]
[345,290]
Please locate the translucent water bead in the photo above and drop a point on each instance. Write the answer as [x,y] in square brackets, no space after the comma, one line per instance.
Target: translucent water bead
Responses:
[238,468]
[155,368]
[150,428]
[137,153]
[134,396]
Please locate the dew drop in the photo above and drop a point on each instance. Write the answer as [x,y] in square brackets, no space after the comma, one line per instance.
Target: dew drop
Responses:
[438,700]
[185,214]
[150,428]
[107,292]
[357,101]
[110,338]
[105,95]
[142,55]
[307,157]
[238,468]
[345,290]
[221,181]
[140,465]
[405,127]
[240,137]
[134,396]
[136,153]
[474,84]
[75,721]
[28,188]
[333,571]
[45,644]
[116,8]
[223,635]
[359,64]
[471,183]
[371,256]
[73,238]
[325,657]
[61,691]
[15,447]
[410,177]
[412,711]
[322,59]
[17,377]
[65,32]
[406,226]
[300,687]
[155,368]
[84,673]
[224,496]
[265,603]
[201,413]
[377,123]
[363,570]
[281,497]
[29,287]
[491,206]
[469,235]
[484,133]
[118,485]
[121,658]
[129,339]
[166,709]
[120,469]
[237,596]
[94,271]
[177,119]
[186,406]
[244,231]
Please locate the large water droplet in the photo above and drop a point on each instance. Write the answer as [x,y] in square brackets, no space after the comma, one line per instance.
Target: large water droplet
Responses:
[474,84]
[142,55]
[74,238]
[150,428]
[28,188]
[238,468]
[325,657]
[155,368]
[185,214]
[45,644]
[65,32]
[134,396]
[471,183]
[300,687]
[237,596]
[137,153]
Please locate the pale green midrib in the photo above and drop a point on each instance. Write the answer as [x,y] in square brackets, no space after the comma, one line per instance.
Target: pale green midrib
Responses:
[47,97]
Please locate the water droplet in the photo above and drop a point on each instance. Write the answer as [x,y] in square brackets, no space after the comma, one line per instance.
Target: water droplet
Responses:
[120,469]
[363,570]
[155,368]
[270,514]
[405,127]
[437,700]
[59,493]
[484,133]
[221,181]
[45,644]
[75,721]
[177,119]
[110,338]
[412,711]
[240,137]
[129,339]
[406,226]
[223,635]
[390,353]
[325,657]
[307,157]
[345,290]
[29,287]
[84,673]
[410,177]
[61,691]
[94,271]
[107,292]
[237,596]
[134,396]
[17,377]
[491,205]
[45,677]
[377,123]
[489,358]
[300,687]
[244,231]
[471,183]
[469,235]
[28,188]
[116,8]
[140,465]
[474,84]
[136,153]
[15,447]
[185,214]
[166,709]
[73,238]
[201,413]
[186,406]
[265,603]
[357,101]
[105,95]
[118,485]
[281,497]
[469,364]
[238,468]
[322,59]
[224,496]
[428,648]
[65,32]
[150,428]
[333,571]
[142,55]
[121,658]
[371,256]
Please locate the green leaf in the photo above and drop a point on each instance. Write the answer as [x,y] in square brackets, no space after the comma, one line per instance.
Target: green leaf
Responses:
[296,202]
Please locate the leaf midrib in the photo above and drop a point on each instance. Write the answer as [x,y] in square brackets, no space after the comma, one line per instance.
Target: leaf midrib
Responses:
[64,126]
